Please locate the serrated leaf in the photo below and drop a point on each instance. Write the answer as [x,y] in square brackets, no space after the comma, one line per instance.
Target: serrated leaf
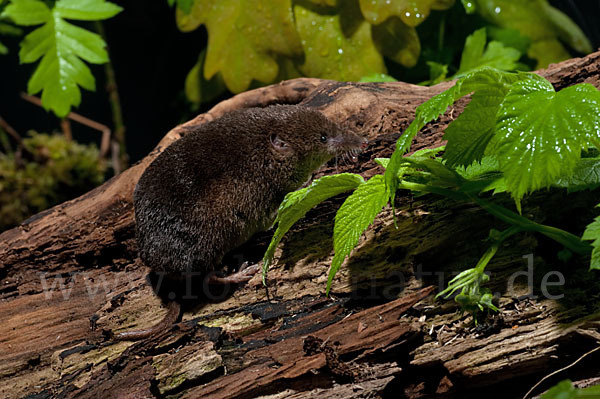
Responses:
[469,134]
[424,113]
[352,219]
[496,55]
[585,176]
[432,109]
[482,176]
[592,233]
[397,41]
[543,24]
[297,203]
[244,38]
[473,49]
[61,45]
[337,46]
[541,133]
[411,12]
[420,155]
[441,175]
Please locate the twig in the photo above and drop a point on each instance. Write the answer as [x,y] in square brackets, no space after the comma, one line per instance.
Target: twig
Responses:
[105,141]
[9,129]
[65,125]
[560,371]
[115,106]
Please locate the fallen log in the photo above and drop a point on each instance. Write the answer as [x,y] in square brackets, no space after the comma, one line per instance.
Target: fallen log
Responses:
[75,266]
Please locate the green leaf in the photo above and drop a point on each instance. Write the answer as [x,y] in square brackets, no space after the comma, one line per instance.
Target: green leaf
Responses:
[86,10]
[482,176]
[585,176]
[199,90]
[547,52]
[61,46]
[441,175]
[473,50]
[510,38]
[543,24]
[541,133]
[427,153]
[11,30]
[469,6]
[184,5]
[411,12]
[244,38]
[486,165]
[397,41]
[352,219]
[437,73]
[429,110]
[337,46]
[496,55]
[566,390]
[432,109]
[421,155]
[436,106]
[377,77]
[297,203]
[27,12]
[469,134]
[592,233]
[325,3]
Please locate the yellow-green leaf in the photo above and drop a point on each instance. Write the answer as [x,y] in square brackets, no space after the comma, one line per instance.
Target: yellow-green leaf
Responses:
[337,46]
[198,89]
[397,41]
[244,38]
[542,23]
[412,12]
[327,3]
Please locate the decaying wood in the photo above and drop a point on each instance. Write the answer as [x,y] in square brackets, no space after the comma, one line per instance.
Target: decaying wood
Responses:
[75,266]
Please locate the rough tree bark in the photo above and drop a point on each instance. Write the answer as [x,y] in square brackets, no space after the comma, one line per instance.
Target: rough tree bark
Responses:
[75,265]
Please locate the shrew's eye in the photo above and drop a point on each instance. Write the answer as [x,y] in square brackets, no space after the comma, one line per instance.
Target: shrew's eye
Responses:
[323,138]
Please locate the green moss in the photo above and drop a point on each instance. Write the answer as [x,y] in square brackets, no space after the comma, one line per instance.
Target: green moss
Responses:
[54,170]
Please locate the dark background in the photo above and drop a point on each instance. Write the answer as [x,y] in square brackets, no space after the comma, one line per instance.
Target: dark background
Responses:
[151,58]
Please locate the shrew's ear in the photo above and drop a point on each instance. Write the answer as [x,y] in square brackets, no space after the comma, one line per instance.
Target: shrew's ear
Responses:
[280,145]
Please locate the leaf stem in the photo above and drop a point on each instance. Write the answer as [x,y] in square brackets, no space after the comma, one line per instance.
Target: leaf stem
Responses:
[567,239]
[491,251]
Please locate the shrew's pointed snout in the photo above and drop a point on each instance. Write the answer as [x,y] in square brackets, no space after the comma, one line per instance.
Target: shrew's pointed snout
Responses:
[347,143]
[364,144]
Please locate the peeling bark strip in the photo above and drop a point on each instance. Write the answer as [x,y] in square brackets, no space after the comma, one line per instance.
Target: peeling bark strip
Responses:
[273,366]
[78,260]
